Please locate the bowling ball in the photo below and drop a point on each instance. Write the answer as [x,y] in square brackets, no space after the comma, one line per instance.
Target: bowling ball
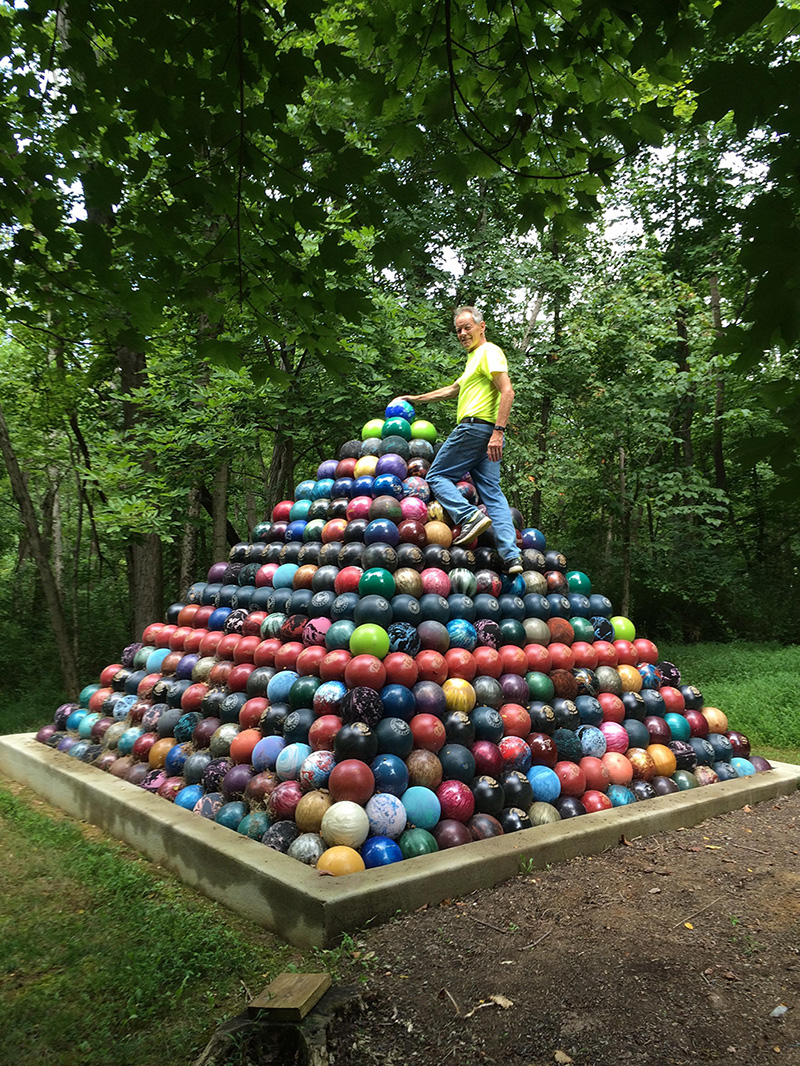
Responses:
[595,801]
[422,807]
[545,783]
[638,733]
[663,758]
[458,762]
[424,769]
[665,786]
[488,692]
[484,827]
[488,758]
[428,732]
[459,728]
[361,704]
[541,813]
[544,751]
[516,754]
[760,763]
[596,773]
[456,800]
[394,737]
[345,823]
[642,790]
[355,741]
[386,814]
[429,696]
[459,695]
[685,780]
[351,780]
[644,768]
[717,720]
[488,795]
[571,777]
[488,723]
[390,774]
[513,819]
[517,789]
[449,833]
[568,745]
[543,718]
[340,860]
[742,766]
[684,753]
[415,842]
[740,744]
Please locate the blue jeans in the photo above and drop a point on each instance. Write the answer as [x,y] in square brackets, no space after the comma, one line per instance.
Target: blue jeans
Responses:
[465,451]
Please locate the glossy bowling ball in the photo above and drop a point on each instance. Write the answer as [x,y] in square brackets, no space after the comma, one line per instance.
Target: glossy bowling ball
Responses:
[484,827]
[456,800]
[351,780]
[517,789]
[664,786]
[642,790]
[458,762]
[569,806]
[541,813]
[449,833]
[415,842]
[394,737]
[355,741]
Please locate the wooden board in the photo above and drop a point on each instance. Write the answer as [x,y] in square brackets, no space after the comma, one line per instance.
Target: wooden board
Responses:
[290,996]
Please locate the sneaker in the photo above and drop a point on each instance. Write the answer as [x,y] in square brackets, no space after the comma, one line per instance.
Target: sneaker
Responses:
[472,528]
[512,567]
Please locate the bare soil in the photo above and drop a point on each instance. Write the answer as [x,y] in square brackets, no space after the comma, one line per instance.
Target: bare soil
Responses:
[675,949]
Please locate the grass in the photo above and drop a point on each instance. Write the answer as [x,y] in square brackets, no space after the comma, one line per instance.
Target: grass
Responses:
[756,685]
[107,959]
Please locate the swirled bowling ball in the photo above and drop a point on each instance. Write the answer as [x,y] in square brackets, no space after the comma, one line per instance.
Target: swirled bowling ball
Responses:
[541,813]
[387,815]
[684,753]
[281,835]
[663,759]
[424,769]
[456,800]
[620,795]
[415,842]
[484,827]
[641,760]
[545,784]
[283,801]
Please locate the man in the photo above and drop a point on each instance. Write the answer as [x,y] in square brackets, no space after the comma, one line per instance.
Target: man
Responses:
[485,396]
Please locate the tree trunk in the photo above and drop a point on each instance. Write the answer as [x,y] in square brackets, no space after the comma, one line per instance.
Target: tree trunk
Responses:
[720,475]
[281,470]
[69,667]
[687,403]
[219,517]
[188,563]
[625,523]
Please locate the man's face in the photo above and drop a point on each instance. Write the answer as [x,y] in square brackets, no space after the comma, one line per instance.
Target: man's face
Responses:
[470,333]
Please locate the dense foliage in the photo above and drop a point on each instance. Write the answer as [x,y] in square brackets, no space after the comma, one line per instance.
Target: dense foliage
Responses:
[230,233]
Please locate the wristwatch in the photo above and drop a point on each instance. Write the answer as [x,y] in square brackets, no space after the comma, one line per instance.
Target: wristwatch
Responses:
[501,428]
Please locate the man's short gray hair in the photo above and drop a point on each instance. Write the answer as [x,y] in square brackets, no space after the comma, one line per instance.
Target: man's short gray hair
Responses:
[477,317]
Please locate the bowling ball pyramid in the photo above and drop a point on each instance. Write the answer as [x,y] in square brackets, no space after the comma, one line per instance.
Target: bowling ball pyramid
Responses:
[351,689]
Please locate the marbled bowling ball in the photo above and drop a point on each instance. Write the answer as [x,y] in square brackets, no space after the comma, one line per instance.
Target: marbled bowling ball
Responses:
[362,704]
[260,788]
[705,775]
[484,826]
[403,637]
[740,744]
[644,769]
[456,800]
[209,805]
[311,809]
[424,769]
[541,813]
[281,835]
[685,780]
[386,814]
[449,833]
[283,800]
[214,774]
[685,757]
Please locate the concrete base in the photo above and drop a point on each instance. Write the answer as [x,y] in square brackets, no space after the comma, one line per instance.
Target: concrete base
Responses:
[306,908]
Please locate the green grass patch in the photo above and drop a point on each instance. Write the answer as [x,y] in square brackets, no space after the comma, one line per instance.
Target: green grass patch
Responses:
[756,685]
[107,959]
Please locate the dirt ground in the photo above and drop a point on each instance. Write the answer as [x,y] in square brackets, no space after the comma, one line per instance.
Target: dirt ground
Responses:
[669,950]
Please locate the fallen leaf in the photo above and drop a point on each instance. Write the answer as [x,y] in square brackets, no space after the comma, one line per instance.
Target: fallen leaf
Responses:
[655,891]
[502,1001]
[779,1011]
[562,1057]
[627,843]
[713,847]
[688,925]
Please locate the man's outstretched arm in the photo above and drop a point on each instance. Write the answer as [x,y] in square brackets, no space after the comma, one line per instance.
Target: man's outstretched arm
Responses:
[438,394]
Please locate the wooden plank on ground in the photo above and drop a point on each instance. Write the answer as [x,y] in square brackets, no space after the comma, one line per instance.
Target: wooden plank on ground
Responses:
[290,996]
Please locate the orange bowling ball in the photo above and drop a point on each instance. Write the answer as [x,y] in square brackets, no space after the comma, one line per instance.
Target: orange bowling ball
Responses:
[631,678]
[663,759]
[619,768]
[439,533]
[157,755]
[717,720]
[340,860]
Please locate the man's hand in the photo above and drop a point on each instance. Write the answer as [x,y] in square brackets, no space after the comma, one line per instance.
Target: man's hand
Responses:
[495,448]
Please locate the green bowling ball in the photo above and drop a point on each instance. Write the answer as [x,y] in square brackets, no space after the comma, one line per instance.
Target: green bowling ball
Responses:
[512,632]
[373,428]
[338,636]
[685,780]
[301,694]
[376,582]
[396,427]
[579,582]
[369,639]
[583,629]
[416,842]
[679,727]
[423,430]
[624,629]
[540,686]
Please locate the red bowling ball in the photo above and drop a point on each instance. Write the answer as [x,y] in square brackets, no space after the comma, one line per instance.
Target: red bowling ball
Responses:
[673,698]
[538,658]
[697,723]
[516,720]
[227,646]
[613,707]
[596,773]
[562,656]
[572,778]
[237,678]
[365,670]
[347,579]
[543,750]
[245,650]
[460,663]
[401,669]
[323,731]
[606,653]
[351,780]
[251,712]
[513,660]
[251,627]
[333,665]
[432,666]
[584,654]
[595,801]
[488,662]
[456,799]
[646,650]
[264,655]
[309,660]
[488,759]
[428,732]
[626,653]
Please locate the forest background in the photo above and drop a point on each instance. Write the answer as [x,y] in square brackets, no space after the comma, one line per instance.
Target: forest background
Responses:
[232,232]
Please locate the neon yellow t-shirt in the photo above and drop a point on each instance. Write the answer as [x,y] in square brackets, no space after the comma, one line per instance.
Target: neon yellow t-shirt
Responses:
[478,396]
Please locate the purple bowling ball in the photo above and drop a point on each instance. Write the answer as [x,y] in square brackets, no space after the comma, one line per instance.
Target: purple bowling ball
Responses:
[430,698]
[664,786]
[391,463]
[62,714]
[67,743]
[236,780]
[761,764]
[45,733]
[327,469]
[183,671]
[515,689]
[216,572]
